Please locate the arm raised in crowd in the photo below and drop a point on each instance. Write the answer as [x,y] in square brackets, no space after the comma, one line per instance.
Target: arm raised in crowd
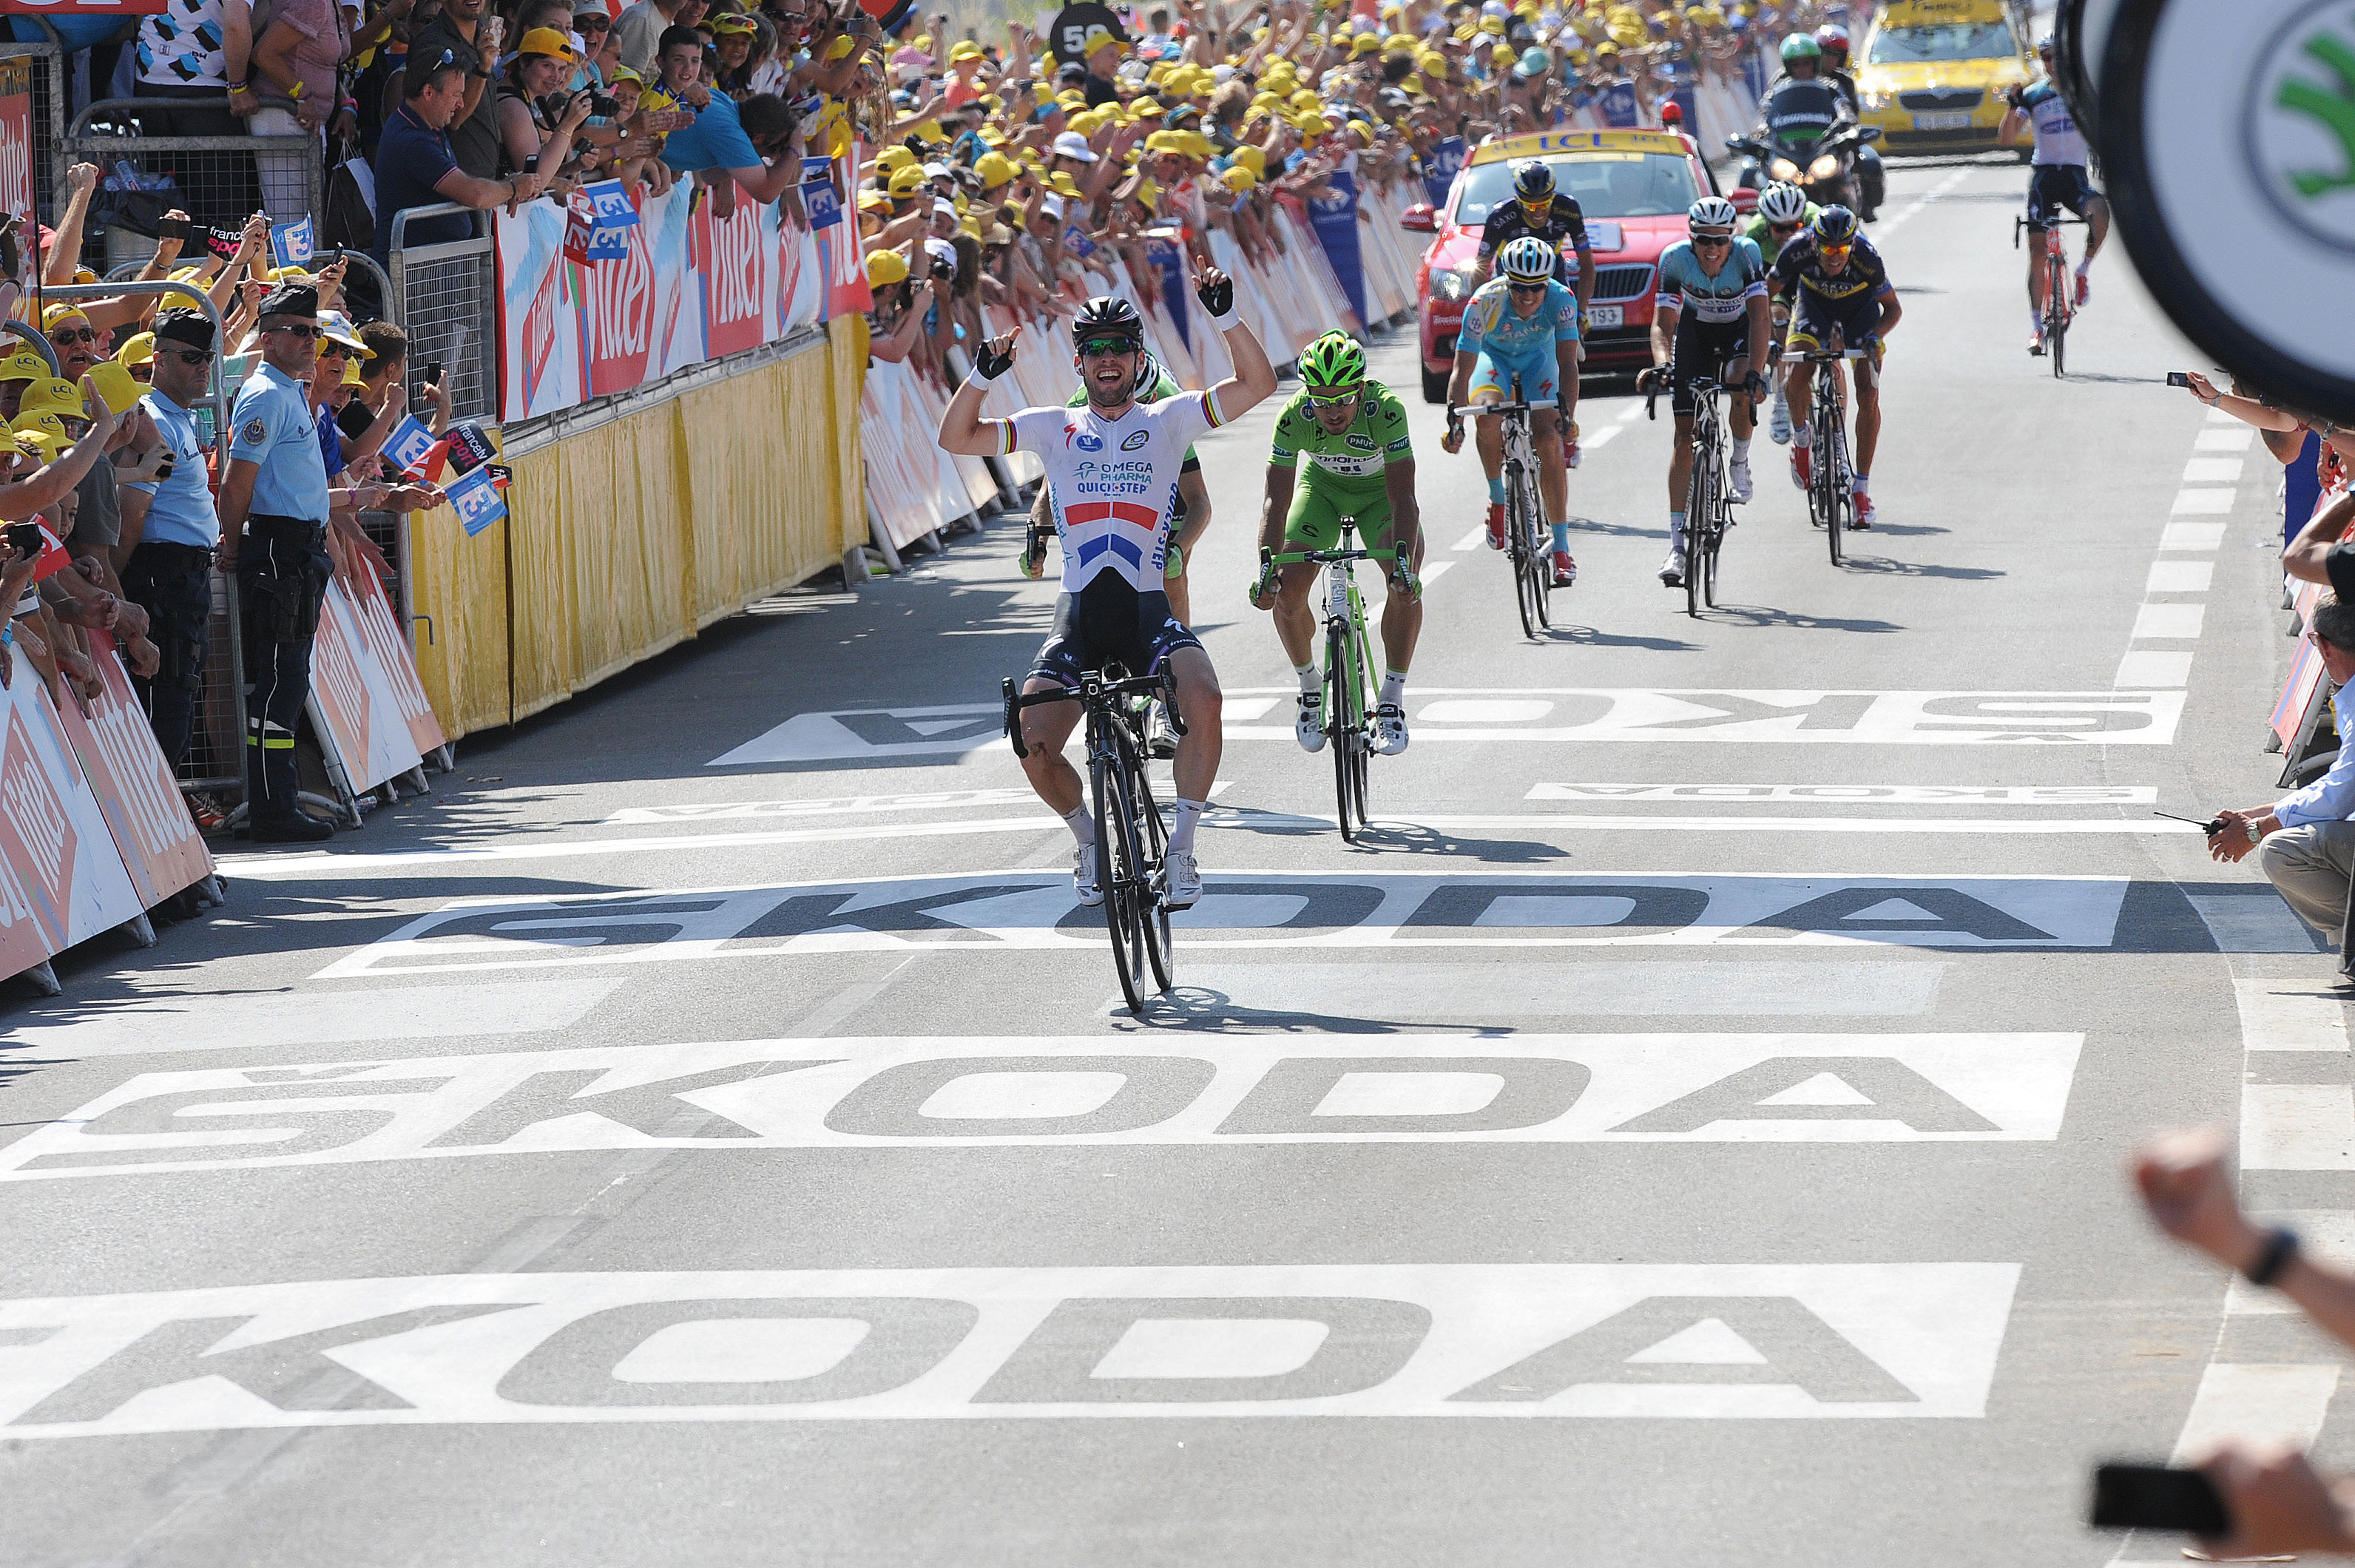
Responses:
[2305,557]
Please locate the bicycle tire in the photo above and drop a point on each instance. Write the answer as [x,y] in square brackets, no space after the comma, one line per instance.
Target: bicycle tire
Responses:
[1343,724]
[1516,536]
[1709,558]
[1362,662]
[2056,311]
[1698,498]
[1118,922]
[1153,920]
[1828,484]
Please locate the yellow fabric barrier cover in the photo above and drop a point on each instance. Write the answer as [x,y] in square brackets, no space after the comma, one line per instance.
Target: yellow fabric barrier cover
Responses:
[629,538]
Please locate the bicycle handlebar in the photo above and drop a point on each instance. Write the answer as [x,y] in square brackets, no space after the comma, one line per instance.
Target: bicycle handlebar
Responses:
[1324,556]
[1820,358]
[1093,688]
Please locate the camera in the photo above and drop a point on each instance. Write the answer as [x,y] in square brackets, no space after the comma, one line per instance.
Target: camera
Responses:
[943,269]
[603,105]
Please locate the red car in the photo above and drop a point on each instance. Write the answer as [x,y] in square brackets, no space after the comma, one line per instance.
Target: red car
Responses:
[1634,187]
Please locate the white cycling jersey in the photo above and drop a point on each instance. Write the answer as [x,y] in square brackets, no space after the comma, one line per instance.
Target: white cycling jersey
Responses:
[1114,481]
[2058,139]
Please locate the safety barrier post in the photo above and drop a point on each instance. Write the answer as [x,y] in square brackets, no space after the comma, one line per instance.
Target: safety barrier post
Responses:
[217,180]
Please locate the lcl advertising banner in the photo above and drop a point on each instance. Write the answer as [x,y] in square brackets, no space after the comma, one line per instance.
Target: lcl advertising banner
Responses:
[687,288]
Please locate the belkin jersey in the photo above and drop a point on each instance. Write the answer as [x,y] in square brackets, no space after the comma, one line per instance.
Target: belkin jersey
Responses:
[1114,481]
[2058,139]
[1722,298]
[1490,325]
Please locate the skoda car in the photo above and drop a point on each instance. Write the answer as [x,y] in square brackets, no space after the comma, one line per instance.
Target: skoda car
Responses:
[1932,74]
[1634,187]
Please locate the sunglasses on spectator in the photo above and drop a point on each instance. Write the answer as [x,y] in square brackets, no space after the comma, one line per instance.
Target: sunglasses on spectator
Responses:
[330,348]
[1097,348]
[586,25]
[304,332]
[73,334]
[194,357]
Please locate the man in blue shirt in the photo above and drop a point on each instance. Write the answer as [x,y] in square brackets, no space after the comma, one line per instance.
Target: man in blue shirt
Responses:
[170,523]
[415,166]
[730,144]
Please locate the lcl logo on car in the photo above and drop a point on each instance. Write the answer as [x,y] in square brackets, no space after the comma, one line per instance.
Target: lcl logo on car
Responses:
[2300,129]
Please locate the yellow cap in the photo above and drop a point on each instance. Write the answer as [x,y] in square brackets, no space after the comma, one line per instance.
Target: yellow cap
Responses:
[547,41]
[931,131]
[1306,98]
[57,312]
[967,50]
[885,268]
[139,349]
[994,170]
[54,396]
[1253,159]
[352,374]
[1062,183]
[1364,43]
[44,423]
[891,160]
[1146,108]
[907,181]
[1240,179]
[874,201]
[841,48]
[24,365]
[38,444]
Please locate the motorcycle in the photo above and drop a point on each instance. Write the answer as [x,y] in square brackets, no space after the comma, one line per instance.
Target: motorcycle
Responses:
[1824,170]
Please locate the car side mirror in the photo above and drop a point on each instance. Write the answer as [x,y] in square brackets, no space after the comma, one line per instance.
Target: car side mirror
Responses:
[1423,217]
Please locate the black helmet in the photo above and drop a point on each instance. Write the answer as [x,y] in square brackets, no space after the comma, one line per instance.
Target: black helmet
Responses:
[1107,315]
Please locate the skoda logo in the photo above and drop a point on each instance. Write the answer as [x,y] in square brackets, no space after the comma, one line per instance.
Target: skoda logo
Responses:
[1087,442]
[2300,129]
[1135,440]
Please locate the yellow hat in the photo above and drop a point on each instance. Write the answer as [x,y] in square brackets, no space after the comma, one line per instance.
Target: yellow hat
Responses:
[57,312]
[994,169]
[841,48]
[1097,38]
[891,160]
[352,377]
[1306,98]
[993,136]
[1266,100]
[1253,159]
[1504,54]
[1494,25]
[139,349]
[1193,144]
[722,25]
[874,201]
[1071,97]
[38,444]
[1364,43]
[53,396]
[188,275]
[1146,108]
[1240,179]
[1147,192]
[44,423]
[1312,124]
[547,41]
[885,268]
[907,181]
[1413,87]
[24,365]
[967,50]
[931,131]
[1062,183]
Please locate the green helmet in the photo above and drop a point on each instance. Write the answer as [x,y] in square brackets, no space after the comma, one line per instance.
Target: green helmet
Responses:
[1800,47]
[1332,362]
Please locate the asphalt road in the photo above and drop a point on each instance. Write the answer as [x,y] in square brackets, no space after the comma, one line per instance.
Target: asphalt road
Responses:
[1688,1129]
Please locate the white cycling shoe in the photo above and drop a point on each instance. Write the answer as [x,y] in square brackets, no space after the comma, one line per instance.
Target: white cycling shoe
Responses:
[1778,424]
[1085,880]
[1739,474]
[1672,570]
[1390,730]
[1308,727]
[1184,879]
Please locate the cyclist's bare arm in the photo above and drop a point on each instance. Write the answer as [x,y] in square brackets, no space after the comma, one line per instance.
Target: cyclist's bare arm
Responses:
[1406,514]
[1276,506]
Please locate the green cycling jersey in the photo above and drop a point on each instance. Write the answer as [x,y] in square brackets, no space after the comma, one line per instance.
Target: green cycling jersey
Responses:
[1345,468]
[1769,247]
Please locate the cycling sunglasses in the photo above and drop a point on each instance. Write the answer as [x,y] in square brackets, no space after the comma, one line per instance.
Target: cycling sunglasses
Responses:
[1346,394]
[1835,252]
[1787,229]
[1527,288]
[1096,348]
[1700,239]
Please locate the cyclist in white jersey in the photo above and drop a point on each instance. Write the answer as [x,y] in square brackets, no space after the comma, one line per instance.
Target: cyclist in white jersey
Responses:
[1113,466]
[2059,179]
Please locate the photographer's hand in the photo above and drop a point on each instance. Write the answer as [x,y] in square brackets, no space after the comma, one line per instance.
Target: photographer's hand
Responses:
[2185,1186]
[2279,1505]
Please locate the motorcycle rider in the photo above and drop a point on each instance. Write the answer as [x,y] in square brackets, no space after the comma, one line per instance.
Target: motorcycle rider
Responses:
[1871,175]
[1803,108]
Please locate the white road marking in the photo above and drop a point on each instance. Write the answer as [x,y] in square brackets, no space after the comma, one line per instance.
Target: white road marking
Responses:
[2169,621]
[1594,441]
[2192,537]
[853,805]
[275,868]
[2196,503]
[2213,471]
[2297,1126]
[2150,666]
[1717,987]
[1857,794]
[1871,1340]
[1032,909]
[1887,226]
[2236,439]
[2290,1015]
[277,1019]
[1474,540]
[1435,571]
[966,1091]
[2257,1403]
[2180,577]
[1631,413]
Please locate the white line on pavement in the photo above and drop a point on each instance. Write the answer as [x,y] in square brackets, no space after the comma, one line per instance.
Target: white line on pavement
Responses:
[2211,471]
[2256,1402]
[1594,441]
[2236,439]
[2279,1014]
[2169,621]
[1887,226]
[2151,668]
[2192,536]
[2202,502]
[1432,572]
[1472,540]
[2180,577]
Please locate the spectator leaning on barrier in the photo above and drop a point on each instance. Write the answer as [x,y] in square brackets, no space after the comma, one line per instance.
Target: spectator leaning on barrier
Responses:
[750,146]
[418,166]
[172,529]
[2304,842]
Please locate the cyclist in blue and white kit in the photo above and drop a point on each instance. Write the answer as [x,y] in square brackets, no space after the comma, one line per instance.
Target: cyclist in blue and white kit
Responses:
[1524,326]
[1710,320]
[1112,464]
[2059,180]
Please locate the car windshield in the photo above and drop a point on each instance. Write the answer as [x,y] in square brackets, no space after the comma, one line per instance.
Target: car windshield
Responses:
[1950,41]
[1605,185]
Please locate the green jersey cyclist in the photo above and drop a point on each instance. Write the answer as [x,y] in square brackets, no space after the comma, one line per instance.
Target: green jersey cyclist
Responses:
[1360,464]
[1784,213]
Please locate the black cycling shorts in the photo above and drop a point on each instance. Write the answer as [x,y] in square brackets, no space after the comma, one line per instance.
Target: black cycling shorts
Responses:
[1857,318]
[1703,348]
[1106,623]
[2056,186]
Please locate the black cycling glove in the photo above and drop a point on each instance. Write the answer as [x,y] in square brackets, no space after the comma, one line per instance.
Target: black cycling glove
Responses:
[991,362]
[1217,292]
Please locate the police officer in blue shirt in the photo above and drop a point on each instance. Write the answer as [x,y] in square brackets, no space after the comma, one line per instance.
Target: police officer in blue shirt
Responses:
[174,530]
[273,520]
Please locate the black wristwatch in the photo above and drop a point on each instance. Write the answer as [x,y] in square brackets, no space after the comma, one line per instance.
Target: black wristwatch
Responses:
[2280,1247]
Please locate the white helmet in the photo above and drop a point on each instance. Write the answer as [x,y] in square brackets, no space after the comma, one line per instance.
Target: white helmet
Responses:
[1782,202]
[1527,260]
[1713,212]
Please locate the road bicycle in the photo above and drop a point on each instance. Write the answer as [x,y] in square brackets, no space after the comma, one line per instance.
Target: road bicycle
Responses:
[1709,502]
[1831,496]
[2060,287]
[1130,837]
[1349,683]
[1527,537]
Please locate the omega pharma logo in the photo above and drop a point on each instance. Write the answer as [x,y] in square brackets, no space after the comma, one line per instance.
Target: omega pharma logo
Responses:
[2300,129]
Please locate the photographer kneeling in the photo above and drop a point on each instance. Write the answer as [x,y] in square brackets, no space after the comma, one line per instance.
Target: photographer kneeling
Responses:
[2304,842]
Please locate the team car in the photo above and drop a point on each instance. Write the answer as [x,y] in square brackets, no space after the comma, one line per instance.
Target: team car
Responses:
[1932,74]
[1632,188]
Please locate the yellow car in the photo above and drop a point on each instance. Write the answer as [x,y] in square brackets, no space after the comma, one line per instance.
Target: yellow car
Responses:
[1932,74]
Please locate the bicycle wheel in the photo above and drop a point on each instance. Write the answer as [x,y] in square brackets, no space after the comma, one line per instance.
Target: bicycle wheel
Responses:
[1541,570]
[1716,542]
[1700,501]
[1152,841]
[1517,533]
[1828,484]
[1344,724]
[1361,661]
[1113,830]
[2056,310]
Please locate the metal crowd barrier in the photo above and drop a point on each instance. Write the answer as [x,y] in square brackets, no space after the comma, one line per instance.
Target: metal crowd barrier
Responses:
[446,297]
[219,181]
